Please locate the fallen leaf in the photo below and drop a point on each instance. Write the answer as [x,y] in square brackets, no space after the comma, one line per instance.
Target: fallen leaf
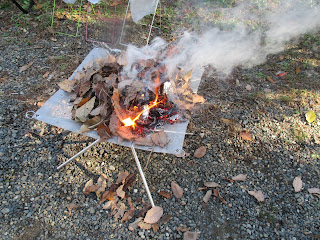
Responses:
[83,112]
[88,184]
[165,219]
[129,180]
[187,76]
[190,235]
[165,194]
[155,227]
[207,196]
[200,152]
[120,192]
[310,116]
[144,226]
[269,79]
[107,195]
[211,184]
[183,228]
[248,87]
[111,204]
[177,190]
[126,133]
[103,132]
[120,211]
[159,138]
[314,190]
[240,177]
[297,184]
[143,142]
[67,85]
[281,74]
[72,206]
[246,135]
[122,177]
[298,70]
[133,226]
[226,121]
[217,194]
[258,195]
[153,215]
[197,99]
[25,67]
[84,87]
[128,215]
[45,75]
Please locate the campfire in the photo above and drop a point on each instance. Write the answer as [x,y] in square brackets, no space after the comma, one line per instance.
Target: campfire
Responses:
[130,100]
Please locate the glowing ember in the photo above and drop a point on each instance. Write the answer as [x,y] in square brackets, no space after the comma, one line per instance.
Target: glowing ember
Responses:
[128,122]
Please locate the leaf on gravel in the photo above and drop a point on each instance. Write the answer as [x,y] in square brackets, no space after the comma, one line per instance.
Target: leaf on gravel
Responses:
[133,226]
[155,227]
[207,196]
[183,228]
[120,192]
[240,177]
[165,194]
[72,206]
[200,152]
[122,177]
[67,85]
[177,190]
[107,195]
[159,138]
[83,112]
[211,184]
[144,226]
[128,215]
[314,190]
[88,184]
[226,121]
[111,204]
[46,74]
[258,195]
[297,184]
[129,180]
[190,235]
[310,116]
[217,194]
[102,183]
[25,67]
[120,211]
[153,215]
[269,79]
[246,135]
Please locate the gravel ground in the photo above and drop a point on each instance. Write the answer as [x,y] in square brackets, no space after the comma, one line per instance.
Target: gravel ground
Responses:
[34,196]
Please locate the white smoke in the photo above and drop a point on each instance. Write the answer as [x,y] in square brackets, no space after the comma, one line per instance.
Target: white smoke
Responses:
[241,45]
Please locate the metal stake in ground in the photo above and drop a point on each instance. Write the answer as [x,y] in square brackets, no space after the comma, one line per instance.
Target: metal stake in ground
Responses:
[142,174]
[79,153]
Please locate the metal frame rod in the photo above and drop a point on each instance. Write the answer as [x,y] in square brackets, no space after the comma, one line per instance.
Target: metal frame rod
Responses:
[79,153]
[142,174]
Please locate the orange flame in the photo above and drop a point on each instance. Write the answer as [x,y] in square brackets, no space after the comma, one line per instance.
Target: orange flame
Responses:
[131,122]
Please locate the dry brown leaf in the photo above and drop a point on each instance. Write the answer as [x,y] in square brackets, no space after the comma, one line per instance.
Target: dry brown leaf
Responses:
[143,142]
[84,88]
[88,184]
[183,228]
[165,194]
[297,184]
[191,235]
[129,180]
[126,133]
[114,123]
[82,113]
[111,204]
[207,196]
[133,226]
[120,212]
[177,190]
[122,177]
[226,121]
[187,76]
[84,128]
[120,192]
[197,99]
[200,152]
[72,206]
[103,132]
[159,138]
[144,226]
[246,135]
[240,177]
[46,74]
[314,190]
[211,184]
[298,70]
[258,195]
[217,194]
[107,195]
[128,215]
[67,85]
[25,67]
[269,79]
[153,215]
[155,227]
